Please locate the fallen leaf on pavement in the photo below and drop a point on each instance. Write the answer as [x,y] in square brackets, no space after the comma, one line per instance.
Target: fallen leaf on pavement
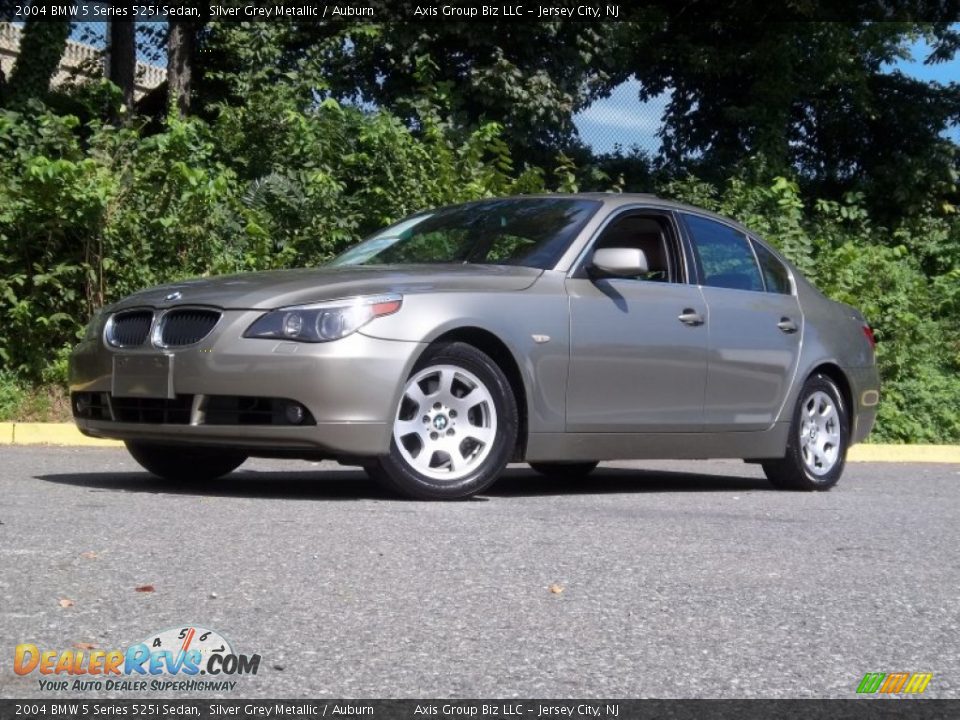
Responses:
[556,589]
[89,555]
[145,588]
[66,602]
[85,646]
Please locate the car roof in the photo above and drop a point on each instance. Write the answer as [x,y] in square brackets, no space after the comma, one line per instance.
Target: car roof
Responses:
[614,200]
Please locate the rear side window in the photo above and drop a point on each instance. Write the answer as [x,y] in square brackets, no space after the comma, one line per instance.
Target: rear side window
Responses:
[775,275]
[724,254]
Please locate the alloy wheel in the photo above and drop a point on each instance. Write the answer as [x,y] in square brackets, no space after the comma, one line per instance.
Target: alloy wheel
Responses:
[819,433]
[446,422]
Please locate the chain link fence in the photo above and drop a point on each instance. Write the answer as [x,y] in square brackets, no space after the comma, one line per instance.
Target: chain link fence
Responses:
[622,124]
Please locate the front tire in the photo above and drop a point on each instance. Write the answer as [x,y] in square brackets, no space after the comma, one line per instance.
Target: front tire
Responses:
[455,428]
[818,440]
[185,462]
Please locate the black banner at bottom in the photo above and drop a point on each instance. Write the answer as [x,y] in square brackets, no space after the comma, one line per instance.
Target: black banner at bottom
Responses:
[483,709]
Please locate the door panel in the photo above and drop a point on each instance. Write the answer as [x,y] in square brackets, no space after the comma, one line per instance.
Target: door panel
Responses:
[634,366]
[755,329]
[752,361]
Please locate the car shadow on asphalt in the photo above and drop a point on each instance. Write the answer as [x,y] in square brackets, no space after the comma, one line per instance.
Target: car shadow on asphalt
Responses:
[353,484]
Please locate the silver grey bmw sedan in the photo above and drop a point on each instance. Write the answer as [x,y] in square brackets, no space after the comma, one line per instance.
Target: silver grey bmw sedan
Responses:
[557,330]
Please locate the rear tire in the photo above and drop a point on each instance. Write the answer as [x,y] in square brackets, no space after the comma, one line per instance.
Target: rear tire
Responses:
[455,428]
[818,440]
[565,470]
[185,462]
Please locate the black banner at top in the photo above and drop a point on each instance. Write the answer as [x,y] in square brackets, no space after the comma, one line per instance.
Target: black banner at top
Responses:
[746,11]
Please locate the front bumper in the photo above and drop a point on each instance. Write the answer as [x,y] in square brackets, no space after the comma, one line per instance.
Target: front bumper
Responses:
[350,387]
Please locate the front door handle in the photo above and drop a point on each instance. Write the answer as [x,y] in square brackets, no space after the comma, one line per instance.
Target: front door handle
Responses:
[691,317]
[787,325]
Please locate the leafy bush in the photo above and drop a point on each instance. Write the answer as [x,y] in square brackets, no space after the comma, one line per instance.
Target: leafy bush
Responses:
[90,212]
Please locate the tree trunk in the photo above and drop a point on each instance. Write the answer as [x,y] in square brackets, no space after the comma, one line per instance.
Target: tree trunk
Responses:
[123,58]
[41,47]
[180,64]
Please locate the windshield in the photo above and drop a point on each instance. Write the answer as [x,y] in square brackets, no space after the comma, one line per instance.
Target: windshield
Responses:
[532,232]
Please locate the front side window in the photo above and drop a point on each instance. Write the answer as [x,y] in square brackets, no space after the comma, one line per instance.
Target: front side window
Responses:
[725,257]
[533,232]
[775,275]
[651,234]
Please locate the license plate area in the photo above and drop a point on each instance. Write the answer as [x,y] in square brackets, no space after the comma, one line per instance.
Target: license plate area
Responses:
[143,376]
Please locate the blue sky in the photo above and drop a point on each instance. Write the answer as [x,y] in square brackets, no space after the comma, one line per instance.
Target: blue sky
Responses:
[622,118]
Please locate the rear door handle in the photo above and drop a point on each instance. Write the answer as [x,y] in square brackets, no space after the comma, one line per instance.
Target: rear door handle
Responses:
[691,317]
[787,325]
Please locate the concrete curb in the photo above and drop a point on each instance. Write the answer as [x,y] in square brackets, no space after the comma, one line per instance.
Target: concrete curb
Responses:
[49,434]
[905,453]
[67,434]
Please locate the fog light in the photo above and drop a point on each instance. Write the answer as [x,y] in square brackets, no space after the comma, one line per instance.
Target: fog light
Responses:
[294,413]
[81,406]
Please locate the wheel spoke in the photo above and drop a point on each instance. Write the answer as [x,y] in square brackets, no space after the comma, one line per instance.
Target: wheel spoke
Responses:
[403,428]
[456,458]
[464,404]
[482,435]
[817,457]
[445,384]
[415,394]
[424,458]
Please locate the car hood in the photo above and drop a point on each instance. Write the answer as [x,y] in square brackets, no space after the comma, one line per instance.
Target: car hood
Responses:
[278,288]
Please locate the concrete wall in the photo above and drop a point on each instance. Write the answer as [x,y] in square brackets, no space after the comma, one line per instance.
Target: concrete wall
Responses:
[78,58]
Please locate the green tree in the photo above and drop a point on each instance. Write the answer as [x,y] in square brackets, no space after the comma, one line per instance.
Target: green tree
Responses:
[815,98]
[528,77]
[41,47]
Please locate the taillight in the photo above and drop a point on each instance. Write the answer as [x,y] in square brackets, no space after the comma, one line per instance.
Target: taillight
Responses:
[868,331]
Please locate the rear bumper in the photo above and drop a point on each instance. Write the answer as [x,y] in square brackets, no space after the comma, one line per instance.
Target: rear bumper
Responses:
[865,393]
[351,388]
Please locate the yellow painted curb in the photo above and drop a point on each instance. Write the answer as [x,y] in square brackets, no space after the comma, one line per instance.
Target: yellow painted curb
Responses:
[49,434]
[905,453]
[67,434]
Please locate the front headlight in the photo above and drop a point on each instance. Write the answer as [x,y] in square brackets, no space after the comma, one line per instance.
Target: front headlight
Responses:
[323,322]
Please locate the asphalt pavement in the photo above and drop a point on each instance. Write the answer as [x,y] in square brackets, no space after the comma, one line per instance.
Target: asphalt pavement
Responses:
[650,579]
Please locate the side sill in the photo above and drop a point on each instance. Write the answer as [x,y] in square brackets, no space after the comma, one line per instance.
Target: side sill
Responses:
[771,443]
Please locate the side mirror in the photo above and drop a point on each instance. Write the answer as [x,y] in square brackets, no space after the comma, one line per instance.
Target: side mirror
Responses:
[620,262]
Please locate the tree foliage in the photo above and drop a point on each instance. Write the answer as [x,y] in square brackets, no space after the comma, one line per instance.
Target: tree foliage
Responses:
[529,78]
[816,99]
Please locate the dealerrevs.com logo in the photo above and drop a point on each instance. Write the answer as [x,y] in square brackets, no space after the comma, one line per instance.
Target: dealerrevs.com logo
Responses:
[183,658]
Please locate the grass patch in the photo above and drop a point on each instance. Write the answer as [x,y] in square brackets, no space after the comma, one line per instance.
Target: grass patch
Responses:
[21,402]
